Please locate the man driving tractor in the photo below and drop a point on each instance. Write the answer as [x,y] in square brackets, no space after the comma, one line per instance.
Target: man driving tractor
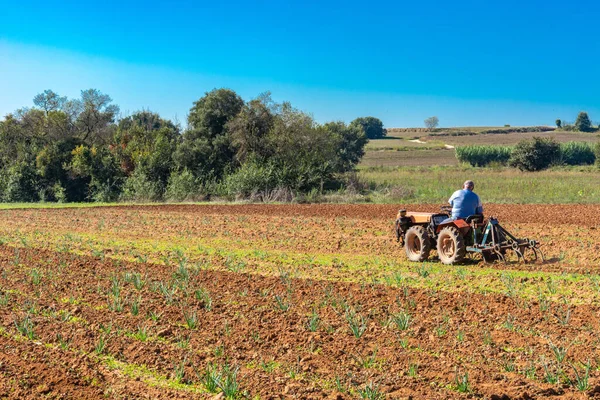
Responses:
[465,202]
[458,233]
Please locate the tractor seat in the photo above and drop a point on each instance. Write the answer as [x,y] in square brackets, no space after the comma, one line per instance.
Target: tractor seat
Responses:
[477,218]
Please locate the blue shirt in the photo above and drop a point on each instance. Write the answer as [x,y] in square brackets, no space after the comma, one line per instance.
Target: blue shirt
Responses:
[464,203]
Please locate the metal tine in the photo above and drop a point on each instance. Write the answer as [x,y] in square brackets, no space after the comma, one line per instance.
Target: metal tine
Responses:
[500,256]
[520,256]
[541,254]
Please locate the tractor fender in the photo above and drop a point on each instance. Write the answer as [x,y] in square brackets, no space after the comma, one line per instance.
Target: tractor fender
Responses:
[460,224]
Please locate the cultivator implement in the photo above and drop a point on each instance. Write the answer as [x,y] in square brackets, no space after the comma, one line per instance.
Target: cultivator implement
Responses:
[495,241]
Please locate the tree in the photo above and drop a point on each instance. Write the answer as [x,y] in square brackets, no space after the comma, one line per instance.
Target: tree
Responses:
[351,148]
[57,183]
[432,122]
[49,101]
[249,130]
[146,142]
[301,156]
[535,154]
[21,183]
[76,149]
[583,123]
[96,116]
[206,147]
[373,127]
[558,123]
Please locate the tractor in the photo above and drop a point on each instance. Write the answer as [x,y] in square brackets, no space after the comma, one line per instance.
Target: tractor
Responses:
[420,232]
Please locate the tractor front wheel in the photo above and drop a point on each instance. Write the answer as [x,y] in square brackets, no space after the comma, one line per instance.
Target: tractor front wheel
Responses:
[417,243]
[451,246]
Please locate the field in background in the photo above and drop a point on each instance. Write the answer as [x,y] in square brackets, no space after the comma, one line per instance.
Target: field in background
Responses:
[301,300]
[501,185]
[416,166]
[403,147]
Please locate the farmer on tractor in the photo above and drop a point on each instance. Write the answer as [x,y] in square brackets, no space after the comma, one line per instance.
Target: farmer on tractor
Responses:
[465,202]
[457,230]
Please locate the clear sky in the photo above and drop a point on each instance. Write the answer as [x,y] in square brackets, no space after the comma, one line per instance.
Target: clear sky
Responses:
[468,62]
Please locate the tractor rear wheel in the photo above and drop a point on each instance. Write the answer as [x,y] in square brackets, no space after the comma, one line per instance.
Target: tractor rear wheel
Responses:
[417,243]
[451,246]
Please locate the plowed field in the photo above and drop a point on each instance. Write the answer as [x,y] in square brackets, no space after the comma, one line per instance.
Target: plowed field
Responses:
[290,301]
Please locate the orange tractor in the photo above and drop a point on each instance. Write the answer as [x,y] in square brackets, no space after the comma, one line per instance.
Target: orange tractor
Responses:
[420,232]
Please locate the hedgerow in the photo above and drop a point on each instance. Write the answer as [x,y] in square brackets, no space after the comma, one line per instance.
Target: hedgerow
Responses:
[530,155]
[481,156]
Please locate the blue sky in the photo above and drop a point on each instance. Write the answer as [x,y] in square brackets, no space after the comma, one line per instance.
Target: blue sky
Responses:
[468,62]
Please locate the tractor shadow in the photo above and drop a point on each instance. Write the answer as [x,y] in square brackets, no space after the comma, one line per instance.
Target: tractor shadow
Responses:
[553,260]
[511,261]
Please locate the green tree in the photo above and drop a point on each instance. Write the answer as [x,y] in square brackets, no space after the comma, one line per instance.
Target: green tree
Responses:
[535,154]
[146,143]
[583,123]
[297,154]
[57,183]
[95,116]
[21,139]
[100,167]
[373,127]
[351,144]
[21,182]
[307,152]
[49,101]
[249,130]
[183,186]
[206,148]
[558,123]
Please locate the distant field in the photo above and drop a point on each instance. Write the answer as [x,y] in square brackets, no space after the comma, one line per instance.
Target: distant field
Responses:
[414,158]
[513,138]
[476,129]
[419,147]
[393,143]
[503,185]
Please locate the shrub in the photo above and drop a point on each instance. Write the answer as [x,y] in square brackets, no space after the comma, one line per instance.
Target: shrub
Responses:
[354,184]
[535,154]
[480,156]
[249,178]
[20,183]
[577,153]
[597,152]
[139,188]
[59,193]
[262,183]
[183,186]
[105,192]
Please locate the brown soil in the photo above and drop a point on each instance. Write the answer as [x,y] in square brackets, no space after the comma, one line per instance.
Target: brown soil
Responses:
[554,214]
[569,234]
[261,324]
